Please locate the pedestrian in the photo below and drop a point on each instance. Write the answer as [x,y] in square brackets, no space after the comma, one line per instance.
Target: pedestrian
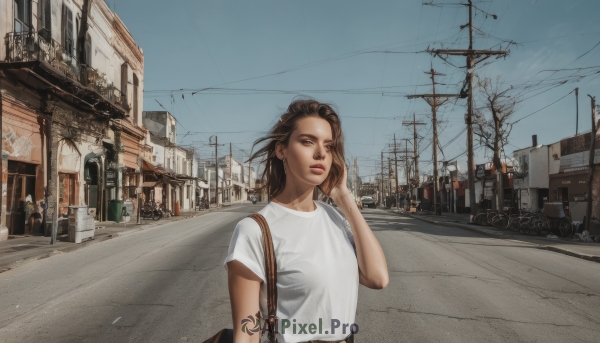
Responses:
[319,251]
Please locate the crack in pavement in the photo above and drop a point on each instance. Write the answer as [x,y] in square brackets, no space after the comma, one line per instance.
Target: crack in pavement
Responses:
[428,273]
[479,318]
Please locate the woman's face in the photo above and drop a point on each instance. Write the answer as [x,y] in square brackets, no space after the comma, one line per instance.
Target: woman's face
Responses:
[309,151]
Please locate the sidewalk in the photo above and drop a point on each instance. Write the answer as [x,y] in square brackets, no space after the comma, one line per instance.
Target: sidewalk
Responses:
[585,250]
[19,250]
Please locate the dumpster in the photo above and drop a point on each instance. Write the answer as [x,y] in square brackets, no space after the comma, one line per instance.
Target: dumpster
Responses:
[115,210]
[81,224]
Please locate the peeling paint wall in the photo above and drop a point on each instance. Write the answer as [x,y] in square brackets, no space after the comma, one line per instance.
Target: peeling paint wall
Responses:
[21,138]
[69,159]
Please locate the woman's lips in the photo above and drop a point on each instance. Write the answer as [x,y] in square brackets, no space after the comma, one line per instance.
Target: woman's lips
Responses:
[317,171]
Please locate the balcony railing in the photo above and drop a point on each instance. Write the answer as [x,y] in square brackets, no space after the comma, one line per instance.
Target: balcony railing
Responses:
[34,46]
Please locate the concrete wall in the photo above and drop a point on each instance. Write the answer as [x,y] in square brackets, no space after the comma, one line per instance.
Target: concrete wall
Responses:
[538,167]
[162,123]
[554,158]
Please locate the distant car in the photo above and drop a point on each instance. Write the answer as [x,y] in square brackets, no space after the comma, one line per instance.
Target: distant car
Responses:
[368,202]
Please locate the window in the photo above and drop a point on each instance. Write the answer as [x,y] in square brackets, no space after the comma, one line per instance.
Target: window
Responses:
[135,99]
[88,50]
[76,40]
[124,78]
[66,192]
[22,13]
[67,27]
[45,16]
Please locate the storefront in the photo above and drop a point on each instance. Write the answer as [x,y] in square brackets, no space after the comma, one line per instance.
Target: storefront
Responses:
[571,190]
[24,181]
[20,195]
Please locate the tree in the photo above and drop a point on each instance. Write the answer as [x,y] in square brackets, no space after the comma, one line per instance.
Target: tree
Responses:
[491,123]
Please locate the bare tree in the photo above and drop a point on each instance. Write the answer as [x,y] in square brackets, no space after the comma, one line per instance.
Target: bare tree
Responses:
[491,123]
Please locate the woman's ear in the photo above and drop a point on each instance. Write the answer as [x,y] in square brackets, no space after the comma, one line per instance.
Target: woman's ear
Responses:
[279,150]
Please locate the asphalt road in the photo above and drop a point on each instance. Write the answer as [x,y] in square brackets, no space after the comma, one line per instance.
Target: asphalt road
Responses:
[167,284]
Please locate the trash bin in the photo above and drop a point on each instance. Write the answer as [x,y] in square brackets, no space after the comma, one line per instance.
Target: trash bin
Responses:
[177,209]
[81,224]
[115,210]
[128,211]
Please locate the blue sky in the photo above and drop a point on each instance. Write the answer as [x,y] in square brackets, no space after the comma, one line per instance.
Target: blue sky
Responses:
[323,49]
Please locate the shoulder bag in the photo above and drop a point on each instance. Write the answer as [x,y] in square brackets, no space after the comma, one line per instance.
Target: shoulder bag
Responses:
[226,335]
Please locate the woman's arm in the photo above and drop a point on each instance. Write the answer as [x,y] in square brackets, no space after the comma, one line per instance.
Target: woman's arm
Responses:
[244,289]
[372,265]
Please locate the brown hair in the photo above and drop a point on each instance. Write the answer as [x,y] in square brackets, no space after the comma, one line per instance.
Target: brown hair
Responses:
[273,177]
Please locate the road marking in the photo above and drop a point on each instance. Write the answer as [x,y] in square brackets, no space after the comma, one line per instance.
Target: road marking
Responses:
[116,320]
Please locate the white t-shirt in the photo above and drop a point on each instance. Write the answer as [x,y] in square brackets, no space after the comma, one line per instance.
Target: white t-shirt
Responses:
[317,270]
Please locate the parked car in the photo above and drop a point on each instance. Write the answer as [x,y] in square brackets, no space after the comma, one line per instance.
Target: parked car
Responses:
[368,202]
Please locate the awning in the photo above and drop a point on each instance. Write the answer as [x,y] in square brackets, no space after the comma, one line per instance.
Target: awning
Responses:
[150,184]
[147,166]
[172,181]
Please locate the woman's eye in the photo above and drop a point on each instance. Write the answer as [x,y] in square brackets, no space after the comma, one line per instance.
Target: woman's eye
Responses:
[306,142]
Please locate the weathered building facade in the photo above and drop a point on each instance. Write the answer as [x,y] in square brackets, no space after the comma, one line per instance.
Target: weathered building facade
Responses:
[569,173]
[71,81]
[172,174]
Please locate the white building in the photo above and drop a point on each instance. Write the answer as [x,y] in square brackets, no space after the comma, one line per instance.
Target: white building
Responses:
[531,180]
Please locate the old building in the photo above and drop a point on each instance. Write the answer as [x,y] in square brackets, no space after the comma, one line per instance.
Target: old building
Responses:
[569,172]
[71,81]
[172,178]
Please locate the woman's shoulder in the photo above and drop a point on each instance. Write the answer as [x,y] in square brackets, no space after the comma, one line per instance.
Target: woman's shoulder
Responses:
[330,210]
[247,225]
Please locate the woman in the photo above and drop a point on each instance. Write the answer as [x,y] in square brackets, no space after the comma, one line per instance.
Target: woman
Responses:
[318,271]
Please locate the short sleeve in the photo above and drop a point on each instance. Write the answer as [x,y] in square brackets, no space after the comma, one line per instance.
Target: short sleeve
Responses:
[247,248]
[341,221]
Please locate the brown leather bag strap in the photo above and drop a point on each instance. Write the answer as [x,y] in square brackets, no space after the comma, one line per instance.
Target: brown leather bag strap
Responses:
[270,266]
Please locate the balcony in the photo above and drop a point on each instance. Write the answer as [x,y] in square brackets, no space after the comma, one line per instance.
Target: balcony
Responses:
[58,68]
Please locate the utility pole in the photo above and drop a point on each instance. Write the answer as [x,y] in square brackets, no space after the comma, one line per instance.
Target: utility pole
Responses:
[406,162]
[216,144]
[588,210]
[471,54]
[434,103]
[577,111]
[382,190]
[396,170]
[414,124]
[390,176]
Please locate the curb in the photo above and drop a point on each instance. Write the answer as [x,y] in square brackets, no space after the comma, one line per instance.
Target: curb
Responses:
[15,264]
[499,235]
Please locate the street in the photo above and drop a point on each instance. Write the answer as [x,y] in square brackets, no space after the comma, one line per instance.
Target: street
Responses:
[167,284]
